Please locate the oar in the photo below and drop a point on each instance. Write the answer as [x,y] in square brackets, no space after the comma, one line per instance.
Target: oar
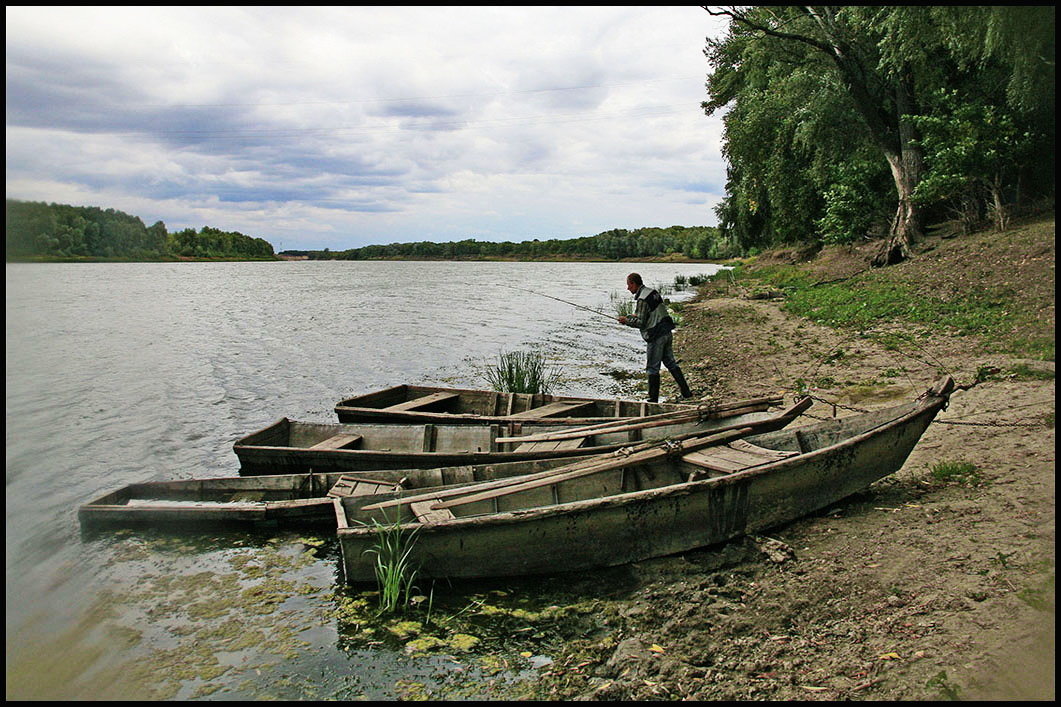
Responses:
[639,458]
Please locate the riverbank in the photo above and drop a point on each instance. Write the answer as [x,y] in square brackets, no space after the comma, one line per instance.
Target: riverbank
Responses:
[927,585]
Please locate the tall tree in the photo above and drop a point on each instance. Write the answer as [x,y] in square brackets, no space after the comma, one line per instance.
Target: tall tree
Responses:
[884,60]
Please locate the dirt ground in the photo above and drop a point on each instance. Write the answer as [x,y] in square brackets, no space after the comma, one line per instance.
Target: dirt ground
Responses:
[915,589]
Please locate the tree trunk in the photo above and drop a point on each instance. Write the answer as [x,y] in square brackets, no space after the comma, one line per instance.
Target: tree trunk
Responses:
[907,166]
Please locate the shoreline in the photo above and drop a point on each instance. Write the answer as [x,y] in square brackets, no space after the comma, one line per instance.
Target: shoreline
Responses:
[918,588]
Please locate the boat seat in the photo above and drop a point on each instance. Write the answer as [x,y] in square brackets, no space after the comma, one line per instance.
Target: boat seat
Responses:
[354,486]
[421,402]
[339,441]
[735,456]
[560,407]
[424,514]
[551,445]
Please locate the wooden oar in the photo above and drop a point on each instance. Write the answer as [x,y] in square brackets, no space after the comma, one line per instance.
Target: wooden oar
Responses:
[612,428]
[639,458]
[731,409]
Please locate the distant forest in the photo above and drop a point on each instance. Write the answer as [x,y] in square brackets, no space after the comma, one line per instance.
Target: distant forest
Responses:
[694,242]
[57,231]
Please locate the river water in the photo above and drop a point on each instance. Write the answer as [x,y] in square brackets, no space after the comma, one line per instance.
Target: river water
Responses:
[130,372]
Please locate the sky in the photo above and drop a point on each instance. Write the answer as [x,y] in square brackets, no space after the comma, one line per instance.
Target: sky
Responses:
[339,127]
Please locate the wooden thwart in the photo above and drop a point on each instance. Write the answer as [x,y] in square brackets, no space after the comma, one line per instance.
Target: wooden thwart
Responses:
[735,456]
[354,486]
[551,445]
[339,441]
[422,402]
[560,407]
[426,514]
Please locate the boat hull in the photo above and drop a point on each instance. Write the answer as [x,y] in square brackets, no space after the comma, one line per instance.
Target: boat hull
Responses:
[631,526]
[292,447]
[425,404]
[286,499]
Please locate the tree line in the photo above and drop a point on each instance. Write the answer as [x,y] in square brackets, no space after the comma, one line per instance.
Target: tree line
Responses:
[696,242]
[36,229]
[848,122]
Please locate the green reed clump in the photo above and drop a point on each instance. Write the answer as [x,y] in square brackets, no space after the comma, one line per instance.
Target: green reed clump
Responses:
[522,372]
[395,573]
[622,303]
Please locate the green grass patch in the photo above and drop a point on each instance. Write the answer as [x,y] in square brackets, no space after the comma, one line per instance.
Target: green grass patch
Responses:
[960,472]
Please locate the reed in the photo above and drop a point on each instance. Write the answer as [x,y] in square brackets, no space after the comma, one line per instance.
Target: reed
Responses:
[522,372]
[622,303]
[394,571]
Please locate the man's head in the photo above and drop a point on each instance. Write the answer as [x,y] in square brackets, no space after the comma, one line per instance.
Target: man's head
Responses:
[634,283]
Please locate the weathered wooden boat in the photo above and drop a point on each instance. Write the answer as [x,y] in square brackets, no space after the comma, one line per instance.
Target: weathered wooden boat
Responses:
[292,447]
[285,499]
[654,502]
[427,404]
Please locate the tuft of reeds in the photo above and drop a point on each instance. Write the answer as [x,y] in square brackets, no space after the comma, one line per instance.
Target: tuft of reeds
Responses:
[522,372]
[622,303]
[394,571]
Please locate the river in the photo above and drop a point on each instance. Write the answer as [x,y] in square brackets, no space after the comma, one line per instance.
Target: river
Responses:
[130,372]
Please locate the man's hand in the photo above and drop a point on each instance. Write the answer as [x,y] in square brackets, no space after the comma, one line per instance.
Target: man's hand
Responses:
[622,320]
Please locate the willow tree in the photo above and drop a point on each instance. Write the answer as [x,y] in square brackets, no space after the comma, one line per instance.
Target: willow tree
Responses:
[882,62]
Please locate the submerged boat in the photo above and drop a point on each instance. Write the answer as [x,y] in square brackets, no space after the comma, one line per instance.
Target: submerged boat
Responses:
[425,404]
[661,500]
[292,447]
[297,499]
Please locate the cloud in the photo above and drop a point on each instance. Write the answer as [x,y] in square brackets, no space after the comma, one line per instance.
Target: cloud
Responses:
[338,127]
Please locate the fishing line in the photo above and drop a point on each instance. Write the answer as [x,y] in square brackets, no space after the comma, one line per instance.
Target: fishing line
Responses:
[588,309]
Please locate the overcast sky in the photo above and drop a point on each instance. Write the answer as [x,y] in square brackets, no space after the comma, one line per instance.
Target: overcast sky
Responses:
[319,127]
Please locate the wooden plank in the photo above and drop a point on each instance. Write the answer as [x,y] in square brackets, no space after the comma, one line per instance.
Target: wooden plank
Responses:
[735,457]
[339,441]
[425,514]
[421,402]
[348,485]
[560,407]
[551,445]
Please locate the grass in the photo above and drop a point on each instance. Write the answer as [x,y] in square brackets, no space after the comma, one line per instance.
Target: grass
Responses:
[992,312]
[522,372]
[960,472]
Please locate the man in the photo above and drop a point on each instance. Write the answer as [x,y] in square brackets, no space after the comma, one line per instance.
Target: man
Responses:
[655,323]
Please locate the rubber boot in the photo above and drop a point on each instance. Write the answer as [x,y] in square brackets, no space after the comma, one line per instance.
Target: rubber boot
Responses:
[653,387]
[679,378]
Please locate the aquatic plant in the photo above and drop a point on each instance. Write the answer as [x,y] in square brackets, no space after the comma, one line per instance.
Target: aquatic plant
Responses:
[522,372]
[622,303]
[394,570]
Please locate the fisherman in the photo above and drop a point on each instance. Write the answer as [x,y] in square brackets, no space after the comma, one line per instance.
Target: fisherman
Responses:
[655,323]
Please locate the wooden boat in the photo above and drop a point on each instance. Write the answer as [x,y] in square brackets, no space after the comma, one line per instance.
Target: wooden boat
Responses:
[286,499]
[425,404]
[654,502]
[292,447]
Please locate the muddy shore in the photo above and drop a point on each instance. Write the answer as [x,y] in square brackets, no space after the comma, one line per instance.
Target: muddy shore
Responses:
[919,588]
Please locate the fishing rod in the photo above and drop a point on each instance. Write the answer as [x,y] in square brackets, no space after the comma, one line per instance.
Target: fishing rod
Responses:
[588,309]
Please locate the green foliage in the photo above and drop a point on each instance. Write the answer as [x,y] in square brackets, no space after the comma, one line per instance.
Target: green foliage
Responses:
[701,242]
[521,372]
[35,229]
[823,108]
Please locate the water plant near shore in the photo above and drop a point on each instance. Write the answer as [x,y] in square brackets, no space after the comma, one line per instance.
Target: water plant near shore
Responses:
[395,574]
[522,372]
